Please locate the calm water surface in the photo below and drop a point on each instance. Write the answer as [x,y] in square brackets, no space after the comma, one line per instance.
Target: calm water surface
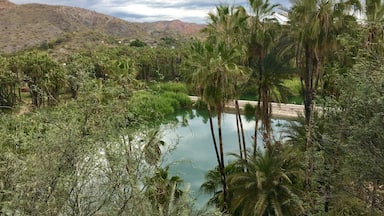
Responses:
[194,153]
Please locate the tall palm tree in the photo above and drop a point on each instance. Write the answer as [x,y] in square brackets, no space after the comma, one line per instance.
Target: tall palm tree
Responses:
[229,25]
[314,26]
[213,72]
[263,32]
[269,187]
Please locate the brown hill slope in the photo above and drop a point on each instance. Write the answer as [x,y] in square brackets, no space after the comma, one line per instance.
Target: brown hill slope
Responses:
[27,25]
[172,27]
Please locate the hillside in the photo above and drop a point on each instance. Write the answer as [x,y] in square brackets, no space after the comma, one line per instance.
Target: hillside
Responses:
[29,25]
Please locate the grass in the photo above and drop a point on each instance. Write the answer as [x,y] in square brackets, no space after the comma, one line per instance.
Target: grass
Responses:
[294,86]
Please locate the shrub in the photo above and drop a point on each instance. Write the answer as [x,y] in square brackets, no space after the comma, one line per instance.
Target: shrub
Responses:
[170,86]
[182,99]
[150,107]
[249,110]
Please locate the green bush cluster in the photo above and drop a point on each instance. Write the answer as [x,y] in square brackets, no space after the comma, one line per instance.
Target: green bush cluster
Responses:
[171,87]
[163,100]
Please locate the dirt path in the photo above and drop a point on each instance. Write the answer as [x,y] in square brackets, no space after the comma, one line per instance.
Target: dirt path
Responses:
[278,109]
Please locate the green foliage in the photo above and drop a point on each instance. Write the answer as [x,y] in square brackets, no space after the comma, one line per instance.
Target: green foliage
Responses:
[137,43]
[266,184]
[358,117]
[45,77]
[52,160]
[269,186]
[249,111]
[169,42]
[176,87]
[79,69]
[10,82]
[183,101]
[151,107]
[165,192]
[215,74]
[294,86]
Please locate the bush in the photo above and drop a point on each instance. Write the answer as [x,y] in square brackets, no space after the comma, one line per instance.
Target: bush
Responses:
[294,86]
[150,107]
[170,86]
[137,43]
[182,99]
[249,110]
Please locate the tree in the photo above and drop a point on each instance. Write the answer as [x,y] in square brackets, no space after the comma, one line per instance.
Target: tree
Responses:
[212,72]
[67,151]
[164,191]
[314,27]
[137,43]
[79,68]
[45,77]
[374,12]
[10,84]
[357,121]
[270,185]
[263,32]
[213,184]
[229,25]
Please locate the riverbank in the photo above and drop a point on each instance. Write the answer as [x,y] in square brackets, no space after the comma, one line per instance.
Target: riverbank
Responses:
[278,109]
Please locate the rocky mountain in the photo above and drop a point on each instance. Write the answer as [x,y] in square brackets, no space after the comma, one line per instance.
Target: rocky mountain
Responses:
[29,25]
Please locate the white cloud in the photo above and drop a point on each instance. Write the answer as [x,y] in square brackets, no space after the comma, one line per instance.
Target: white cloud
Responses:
[147,10]
[150,13]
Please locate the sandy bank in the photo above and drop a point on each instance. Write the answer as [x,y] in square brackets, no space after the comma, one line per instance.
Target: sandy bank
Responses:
[278,109]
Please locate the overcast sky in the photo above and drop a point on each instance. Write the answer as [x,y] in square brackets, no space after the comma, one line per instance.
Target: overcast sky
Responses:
[149,10]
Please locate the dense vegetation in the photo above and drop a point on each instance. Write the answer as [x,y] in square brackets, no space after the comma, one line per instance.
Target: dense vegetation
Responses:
[80,133]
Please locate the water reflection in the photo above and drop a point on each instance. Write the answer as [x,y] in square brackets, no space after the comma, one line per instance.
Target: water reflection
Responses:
[195,155]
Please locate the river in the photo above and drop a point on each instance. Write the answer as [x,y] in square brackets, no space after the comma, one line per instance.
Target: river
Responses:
[194,153]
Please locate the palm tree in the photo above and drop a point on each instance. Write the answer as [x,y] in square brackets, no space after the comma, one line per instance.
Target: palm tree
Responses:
[213,75]
[164,190]
[213,183]
[229,25]
[263,27]
[269,186]
[314,26]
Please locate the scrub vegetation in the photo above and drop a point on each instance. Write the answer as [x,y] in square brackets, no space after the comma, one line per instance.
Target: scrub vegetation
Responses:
[80,132]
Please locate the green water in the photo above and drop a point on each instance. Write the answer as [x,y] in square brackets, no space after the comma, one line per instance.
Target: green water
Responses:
[194,154]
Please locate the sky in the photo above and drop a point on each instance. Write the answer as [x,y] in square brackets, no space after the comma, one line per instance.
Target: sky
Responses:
[195,11]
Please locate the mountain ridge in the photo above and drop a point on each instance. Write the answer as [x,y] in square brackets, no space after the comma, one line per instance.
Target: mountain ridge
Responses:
[28,25]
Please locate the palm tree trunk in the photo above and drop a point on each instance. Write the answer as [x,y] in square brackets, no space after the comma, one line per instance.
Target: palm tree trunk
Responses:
[242,132]
[238,129]
[307,85]
[214,137]
[223,178]
[308,114]
[266,118]
[258,108]
[219,157]
[256,127]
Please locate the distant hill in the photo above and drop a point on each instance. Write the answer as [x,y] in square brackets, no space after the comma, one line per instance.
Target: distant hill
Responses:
[27,25]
